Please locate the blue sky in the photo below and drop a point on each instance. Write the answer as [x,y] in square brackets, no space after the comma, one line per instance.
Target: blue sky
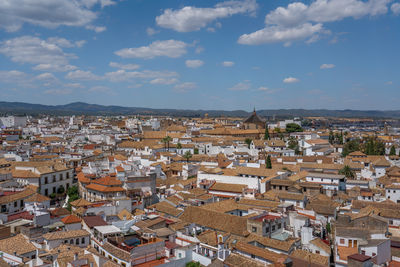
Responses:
[335,54]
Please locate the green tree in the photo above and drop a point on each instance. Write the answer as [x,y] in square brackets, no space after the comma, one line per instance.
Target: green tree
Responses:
[248,142]
[266,135]
[292,143]
[193,264]
[61,189]
[179,145]
[187,156]
[268,163]
[351,146]
[372,146]
[328,228]
[293,127]
[392,151]
[166,141]
[73,193]
[331,137]
[347,171]
[196,151]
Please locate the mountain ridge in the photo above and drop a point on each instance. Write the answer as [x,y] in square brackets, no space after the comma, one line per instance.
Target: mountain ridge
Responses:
[82,108]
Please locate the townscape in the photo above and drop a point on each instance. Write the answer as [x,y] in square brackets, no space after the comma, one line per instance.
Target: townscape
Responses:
[175,191]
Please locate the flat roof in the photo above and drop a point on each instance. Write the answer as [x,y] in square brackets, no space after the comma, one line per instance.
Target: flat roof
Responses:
[107,229]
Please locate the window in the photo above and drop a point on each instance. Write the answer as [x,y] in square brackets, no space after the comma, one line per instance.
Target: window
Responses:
[254,229]
[123,264]
[273,228]
[54,189]
[373,254]
[279,225]
[46,192]
[363,252]
[77,241]
[22,203]
[54,178]
[46,180]
[61,177]
[253,256]
[266,229]
[388,191]
[341,241]
[15,204]
[317,252]
[83,240]
[71,241]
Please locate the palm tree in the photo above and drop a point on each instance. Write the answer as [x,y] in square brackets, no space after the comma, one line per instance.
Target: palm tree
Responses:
[248,142]
[348,172]
[166,141]
[187,156]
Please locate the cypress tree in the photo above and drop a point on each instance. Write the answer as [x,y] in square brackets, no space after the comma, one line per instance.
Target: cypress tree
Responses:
[266,135]
[268,163]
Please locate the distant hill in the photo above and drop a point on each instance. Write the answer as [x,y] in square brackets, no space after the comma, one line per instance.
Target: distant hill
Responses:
[79,108]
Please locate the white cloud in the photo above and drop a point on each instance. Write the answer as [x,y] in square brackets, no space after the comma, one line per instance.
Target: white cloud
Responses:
[199,49]
[100,89]
[151,31]
[96,29]
[47,76]
[103,3]
[54,67]
[58,92]
[389,83]
[327,66]
[299,21]
[290,80]
[191,18]
[164,81]
[80,43]
[194,63]
[74,85]
[122,75]
[274,34]
[395,8]
[124,66]
[11,76]
[167,48]
[61,42]
[263,88]
[82,75]
[228,63]
[47,54]
[242,86]
[46,13]
[29,49]
[184,87]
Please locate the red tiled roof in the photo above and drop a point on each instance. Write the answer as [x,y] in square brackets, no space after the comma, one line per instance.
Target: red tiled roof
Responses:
[71,219]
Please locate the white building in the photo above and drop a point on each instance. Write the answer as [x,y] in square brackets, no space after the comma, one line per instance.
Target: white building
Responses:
[12,122]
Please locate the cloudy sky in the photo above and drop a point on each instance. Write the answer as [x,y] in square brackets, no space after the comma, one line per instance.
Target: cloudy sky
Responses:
[236,54]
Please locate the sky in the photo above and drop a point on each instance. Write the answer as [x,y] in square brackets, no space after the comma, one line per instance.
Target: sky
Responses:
[202,54]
